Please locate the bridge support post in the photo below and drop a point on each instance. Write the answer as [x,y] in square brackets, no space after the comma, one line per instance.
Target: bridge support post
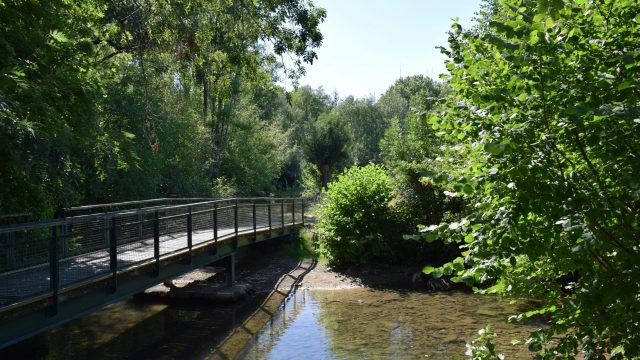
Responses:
[230,269]
[302,206]
[293,212]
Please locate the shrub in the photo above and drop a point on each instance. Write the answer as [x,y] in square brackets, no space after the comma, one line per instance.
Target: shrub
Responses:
[356,221]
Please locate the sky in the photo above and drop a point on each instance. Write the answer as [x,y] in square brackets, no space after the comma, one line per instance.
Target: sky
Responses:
[368,44]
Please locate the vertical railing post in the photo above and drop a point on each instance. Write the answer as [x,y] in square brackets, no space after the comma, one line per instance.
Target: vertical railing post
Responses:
[63,234]
[156,242]
[282,215]
[302,206]
[190,233]
[54,269]
[113,255]
[293,212]
[235,218]
[255,224]
[215,227]
[269,215]
[234,243]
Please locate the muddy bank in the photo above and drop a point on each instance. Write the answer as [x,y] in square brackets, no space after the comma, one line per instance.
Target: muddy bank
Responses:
[267,267]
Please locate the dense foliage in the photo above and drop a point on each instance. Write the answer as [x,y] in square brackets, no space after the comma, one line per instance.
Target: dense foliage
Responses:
[120,100]
[356,221]
[541,139]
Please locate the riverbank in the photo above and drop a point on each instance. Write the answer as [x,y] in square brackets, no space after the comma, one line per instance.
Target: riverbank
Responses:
[266,268]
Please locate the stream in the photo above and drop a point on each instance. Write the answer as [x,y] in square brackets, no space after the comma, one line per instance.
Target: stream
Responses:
[314,324]
[371,324]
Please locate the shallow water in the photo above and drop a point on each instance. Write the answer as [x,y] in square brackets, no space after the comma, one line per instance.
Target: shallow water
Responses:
[372,324]
[311,324]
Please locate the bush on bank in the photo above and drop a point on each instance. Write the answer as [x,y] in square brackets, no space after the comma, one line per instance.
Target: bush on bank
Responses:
[356,220]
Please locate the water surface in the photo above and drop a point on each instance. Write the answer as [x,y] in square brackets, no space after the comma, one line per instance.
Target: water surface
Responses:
[309,324]
[373,324]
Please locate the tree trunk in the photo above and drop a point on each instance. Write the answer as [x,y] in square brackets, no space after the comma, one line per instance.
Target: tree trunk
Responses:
[205,98]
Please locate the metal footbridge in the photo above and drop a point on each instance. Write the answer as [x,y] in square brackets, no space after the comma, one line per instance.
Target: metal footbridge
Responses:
[57,270]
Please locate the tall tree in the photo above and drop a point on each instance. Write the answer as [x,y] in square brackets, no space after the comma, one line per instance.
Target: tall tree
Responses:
[328,144]
[543,134]
[367,126]
[102,100]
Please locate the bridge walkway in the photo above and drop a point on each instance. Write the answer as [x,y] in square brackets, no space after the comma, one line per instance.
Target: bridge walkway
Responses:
[53,271]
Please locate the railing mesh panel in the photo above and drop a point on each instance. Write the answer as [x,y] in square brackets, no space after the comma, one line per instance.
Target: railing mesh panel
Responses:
[276,217]
[173,234]
[138,245]
[262,216]
[83,243]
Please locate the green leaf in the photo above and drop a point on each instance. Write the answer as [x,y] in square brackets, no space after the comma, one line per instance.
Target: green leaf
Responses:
[428,269]
[431,236]
[549,22]
[625,85]
[534,38]
[59,36]
[494,149]
[468,238]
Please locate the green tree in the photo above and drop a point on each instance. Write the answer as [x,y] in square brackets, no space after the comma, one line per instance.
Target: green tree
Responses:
[410,144]
[327,144]
[103,100]
[367,126]
[48,97]
[255,153]
[542,140]
[411,94]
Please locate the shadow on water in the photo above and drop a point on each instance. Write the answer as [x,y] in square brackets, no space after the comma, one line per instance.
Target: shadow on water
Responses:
[137,329]
[278,323]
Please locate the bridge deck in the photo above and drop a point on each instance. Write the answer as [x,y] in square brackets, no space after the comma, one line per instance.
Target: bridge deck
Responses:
[25,283]
[79,256]
[89,238]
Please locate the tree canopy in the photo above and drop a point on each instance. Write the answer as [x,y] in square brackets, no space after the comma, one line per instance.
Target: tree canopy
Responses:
[112,100]
[541,139]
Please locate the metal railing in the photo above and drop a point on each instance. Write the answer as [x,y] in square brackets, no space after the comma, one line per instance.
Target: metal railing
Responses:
[46,257]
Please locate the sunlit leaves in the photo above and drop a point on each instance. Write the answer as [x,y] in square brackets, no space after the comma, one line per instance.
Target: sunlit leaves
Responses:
[546,99]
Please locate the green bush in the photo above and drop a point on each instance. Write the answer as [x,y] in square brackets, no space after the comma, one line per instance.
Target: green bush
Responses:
[356,221]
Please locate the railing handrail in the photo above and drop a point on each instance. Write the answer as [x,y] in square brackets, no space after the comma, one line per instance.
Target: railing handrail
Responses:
[50,262]
[33,225]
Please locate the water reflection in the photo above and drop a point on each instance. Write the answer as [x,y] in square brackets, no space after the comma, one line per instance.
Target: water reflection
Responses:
[130,330]
[319,324]
[370,324]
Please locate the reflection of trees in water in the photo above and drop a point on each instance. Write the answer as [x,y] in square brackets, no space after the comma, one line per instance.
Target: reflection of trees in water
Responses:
[115,332]
[270,335]
[372,324]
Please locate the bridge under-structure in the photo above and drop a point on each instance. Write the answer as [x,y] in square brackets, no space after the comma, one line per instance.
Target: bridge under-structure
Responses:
[57,270]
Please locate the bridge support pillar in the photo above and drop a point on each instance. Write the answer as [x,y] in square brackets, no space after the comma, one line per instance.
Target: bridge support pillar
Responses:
[230,269]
